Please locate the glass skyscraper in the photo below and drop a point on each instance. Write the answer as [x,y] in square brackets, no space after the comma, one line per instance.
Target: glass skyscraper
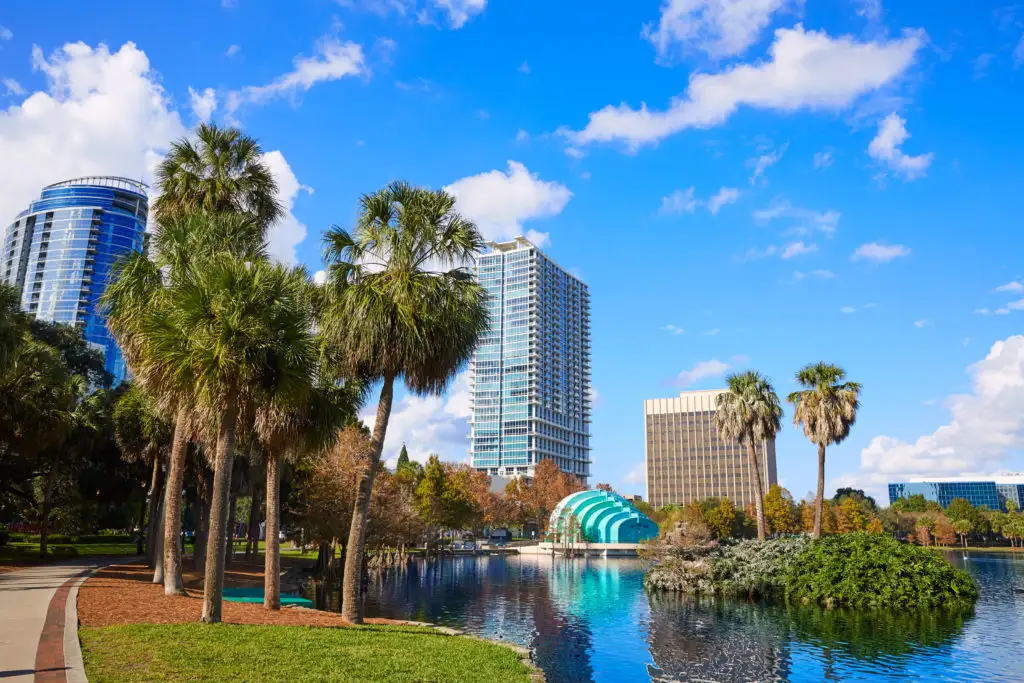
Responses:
[60,251]
[530,375]
[993,493]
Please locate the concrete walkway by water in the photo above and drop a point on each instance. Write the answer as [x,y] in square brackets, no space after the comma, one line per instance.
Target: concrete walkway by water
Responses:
[35,603]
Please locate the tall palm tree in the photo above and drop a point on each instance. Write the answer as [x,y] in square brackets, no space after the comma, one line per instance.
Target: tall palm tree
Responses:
[233,333]
[750,412]
[400,305]
[12,322]
[826,408]
[290,428]
[221,170]
[179,243]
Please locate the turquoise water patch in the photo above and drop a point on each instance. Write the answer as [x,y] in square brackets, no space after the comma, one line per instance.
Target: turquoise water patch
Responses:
[255,594]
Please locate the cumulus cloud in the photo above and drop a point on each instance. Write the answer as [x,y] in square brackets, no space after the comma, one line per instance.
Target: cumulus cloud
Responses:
[986,427]
[1014,286]
[500,202]
[700,371]
[203,103]
[461,11]
[823,159]
[807,70]
[232,50]
[320,277]
[765,161]
[720,28]
[5,33]
[885,149]
[104,113]
[800,221]
[725,195]
[880,253]
[286,234]
[794,249]
[12,87]
[332,60]
[428,424]
[678,203]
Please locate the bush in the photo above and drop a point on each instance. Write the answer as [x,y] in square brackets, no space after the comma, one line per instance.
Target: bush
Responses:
[867,570]
[756,569]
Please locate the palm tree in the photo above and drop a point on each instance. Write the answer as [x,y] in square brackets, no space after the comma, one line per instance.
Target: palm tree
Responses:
[401,304]
[12,322]
[233,333]
[827,408]
[289,429]
[749,412]
[178,244]
[220,171]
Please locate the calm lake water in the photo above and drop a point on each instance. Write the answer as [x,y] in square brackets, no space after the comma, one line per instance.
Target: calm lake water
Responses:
[591,620]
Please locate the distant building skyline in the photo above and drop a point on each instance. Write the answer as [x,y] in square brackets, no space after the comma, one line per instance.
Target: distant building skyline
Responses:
[687,461]
[993,491]
[60,251]
[530,374]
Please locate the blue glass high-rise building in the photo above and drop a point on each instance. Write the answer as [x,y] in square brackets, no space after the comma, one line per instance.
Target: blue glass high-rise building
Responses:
[530,375]
[995,492]
[61,250]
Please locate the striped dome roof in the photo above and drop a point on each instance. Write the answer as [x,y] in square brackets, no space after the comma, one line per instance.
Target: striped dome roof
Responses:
[599,517]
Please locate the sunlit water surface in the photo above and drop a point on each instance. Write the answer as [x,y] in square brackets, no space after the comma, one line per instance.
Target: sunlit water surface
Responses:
[591,620]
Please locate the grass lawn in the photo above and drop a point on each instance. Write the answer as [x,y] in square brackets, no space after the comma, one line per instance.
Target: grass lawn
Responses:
[23,552]
[198,652]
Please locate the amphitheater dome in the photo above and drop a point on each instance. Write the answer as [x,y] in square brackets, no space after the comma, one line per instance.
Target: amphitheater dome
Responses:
[599,517]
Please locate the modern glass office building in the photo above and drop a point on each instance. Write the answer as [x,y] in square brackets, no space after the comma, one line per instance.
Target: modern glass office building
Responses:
[688,461]
[994,493]
[530,375]
[60,251]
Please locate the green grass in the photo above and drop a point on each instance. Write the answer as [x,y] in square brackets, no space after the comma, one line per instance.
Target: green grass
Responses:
[21,552]
[198,652]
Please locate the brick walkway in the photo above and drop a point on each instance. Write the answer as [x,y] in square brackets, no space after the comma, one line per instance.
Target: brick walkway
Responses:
[32,611]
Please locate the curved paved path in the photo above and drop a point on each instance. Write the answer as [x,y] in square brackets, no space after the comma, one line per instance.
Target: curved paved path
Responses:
[34,605]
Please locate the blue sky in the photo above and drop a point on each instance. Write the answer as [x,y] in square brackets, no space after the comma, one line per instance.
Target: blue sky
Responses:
[763,185]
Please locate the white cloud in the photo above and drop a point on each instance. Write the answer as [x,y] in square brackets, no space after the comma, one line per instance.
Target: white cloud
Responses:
[885,148]
[923,322]
[678,203]
[637,475]
[848,310]
[320,277]
[803,221]
[820,273]
[104,113]
[285,235]
[1018,53]
[823,159]
[596,399]
[428,424]
[499,203]
[5,33]
[725,195]
[522,136]
[986,426]
[203,103]
[794,249]
[1014,286]
[674,329]
[702,370]
[982,311]
[711,333]
[331,61]
[575,153]
[721,28]
[232,50]
[880,253]
[764,162]
[12,87]
[524,68]
[869,9]
[461,11]
[807,70]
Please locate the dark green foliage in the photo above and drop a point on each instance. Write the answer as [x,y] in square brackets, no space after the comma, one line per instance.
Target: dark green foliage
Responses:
[856,494]
[871,570]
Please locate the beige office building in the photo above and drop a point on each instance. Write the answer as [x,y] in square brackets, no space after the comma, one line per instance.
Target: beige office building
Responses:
[686,459]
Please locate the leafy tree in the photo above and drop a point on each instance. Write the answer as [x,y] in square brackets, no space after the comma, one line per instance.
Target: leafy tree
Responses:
[849,516]
[403,458]
[605,487]
[749,412]
[856,494]
[780,512]
[875,526]
[722,519]
[391,314]
[963,527]
[827,409]
[547,489]
[12,322]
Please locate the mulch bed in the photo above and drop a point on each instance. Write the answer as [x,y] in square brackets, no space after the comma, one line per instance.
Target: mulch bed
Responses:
[125,594]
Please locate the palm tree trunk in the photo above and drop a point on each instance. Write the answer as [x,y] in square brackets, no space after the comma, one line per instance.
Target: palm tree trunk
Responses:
[272,553]
[252,534]
[153,504]
[158,549]
[758,490]
[351,607]
[44,522]
[203,528]
[233,511]
[172,513]
[213,583]
[819,501]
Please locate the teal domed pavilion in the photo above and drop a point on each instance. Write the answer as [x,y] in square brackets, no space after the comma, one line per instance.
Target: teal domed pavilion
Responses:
[599,517]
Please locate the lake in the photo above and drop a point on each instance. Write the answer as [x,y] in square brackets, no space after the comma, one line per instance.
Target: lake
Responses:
[591,620]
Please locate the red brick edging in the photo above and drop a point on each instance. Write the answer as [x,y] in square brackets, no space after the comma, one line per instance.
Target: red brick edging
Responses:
[50,652]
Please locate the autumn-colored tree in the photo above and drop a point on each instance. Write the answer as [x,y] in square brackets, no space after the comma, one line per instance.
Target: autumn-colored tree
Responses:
[605,487]
[722,519]
[849,516]
[805,512]
[875,526]
[779,511]
[944,533]
[547,489]
[513,506]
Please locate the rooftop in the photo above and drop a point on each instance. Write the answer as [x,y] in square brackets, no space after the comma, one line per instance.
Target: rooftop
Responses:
[116,182]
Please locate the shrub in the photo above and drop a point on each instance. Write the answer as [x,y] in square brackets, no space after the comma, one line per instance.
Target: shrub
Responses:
[756,569]
[869,570]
